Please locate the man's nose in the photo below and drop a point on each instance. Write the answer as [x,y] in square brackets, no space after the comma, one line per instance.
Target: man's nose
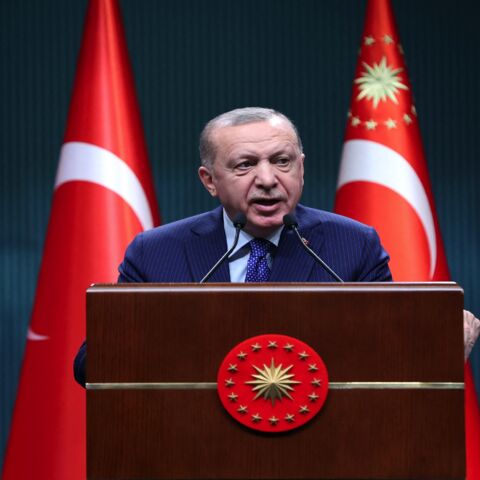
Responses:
[265,175]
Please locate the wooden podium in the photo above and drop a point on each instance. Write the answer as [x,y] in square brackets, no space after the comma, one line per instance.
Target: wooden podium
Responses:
[394,354]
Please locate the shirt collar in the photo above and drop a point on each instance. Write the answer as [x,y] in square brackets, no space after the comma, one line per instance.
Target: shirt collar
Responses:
[245,237]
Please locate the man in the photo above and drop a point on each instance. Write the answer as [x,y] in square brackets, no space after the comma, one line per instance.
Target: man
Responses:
[253,161]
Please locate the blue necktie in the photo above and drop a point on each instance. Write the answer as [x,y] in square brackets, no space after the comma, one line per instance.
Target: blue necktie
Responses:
[257,265]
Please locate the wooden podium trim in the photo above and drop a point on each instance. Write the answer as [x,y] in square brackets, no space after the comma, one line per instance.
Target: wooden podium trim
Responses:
[331,385]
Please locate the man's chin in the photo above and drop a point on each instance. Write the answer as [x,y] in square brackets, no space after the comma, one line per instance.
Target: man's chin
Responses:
[263,226]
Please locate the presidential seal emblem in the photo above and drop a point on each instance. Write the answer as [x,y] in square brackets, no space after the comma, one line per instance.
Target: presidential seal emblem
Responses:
[272,383]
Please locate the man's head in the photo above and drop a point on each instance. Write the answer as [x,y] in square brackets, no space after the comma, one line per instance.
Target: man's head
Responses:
[252,161]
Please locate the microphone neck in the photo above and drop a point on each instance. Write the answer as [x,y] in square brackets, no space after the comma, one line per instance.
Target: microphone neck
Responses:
[238,228]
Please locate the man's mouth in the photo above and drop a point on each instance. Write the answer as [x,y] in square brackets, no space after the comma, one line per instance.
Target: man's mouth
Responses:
[266,206]
[266,201]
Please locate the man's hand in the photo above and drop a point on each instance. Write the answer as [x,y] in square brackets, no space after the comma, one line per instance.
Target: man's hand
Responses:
[471,330]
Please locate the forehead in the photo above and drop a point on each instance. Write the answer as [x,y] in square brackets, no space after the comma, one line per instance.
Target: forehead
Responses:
[257,135]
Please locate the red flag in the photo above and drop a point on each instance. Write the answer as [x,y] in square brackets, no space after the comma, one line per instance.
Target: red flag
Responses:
[384,179]
[103,196]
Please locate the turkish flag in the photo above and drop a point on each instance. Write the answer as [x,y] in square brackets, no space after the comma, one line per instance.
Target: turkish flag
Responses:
[103,196]
[384,181]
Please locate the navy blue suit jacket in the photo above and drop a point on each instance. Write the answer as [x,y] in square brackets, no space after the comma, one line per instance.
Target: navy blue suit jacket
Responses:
[184,251]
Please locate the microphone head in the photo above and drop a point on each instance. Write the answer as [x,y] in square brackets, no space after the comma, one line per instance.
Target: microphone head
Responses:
[239,220]
[290,221]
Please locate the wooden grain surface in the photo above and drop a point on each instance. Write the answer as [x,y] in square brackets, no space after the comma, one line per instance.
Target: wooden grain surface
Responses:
[372,332]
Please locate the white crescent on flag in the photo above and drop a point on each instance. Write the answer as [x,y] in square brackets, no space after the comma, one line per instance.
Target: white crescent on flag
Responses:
[367,161]
[31,335]
[81,161]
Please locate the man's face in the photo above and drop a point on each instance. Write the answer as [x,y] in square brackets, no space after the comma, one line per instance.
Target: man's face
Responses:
[258,170]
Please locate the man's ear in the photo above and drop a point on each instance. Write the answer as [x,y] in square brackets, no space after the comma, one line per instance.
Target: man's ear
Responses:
[302,159]
[207,179]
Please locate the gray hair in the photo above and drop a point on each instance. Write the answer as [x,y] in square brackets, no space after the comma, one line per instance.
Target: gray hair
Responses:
[239,116]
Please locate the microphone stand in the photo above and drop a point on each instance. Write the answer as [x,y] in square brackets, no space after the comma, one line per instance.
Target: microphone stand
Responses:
[239,222]
[291,223]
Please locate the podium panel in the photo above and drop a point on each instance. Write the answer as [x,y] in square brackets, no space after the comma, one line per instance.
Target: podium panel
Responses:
[394,354]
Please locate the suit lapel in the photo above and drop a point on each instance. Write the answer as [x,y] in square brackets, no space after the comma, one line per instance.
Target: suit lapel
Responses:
[292,263]
[205,246]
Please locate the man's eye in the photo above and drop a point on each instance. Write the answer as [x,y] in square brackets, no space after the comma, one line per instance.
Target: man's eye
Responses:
[282,161]
[244,165]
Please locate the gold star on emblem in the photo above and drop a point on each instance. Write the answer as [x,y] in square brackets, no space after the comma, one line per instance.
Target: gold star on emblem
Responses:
[355,122]
[233,397]
[407,119]
[390,124]
[242,356]
[349,114]
[312,367]
[273,382]
[414,110]
[400,49]
[290,417]
[371,124]
[387,39]
[304,409]
[303,355]
[232,367]
[272,344]
[273,420]
[313,397]
[316,382]
[242,409]
[288,347]
[369,40]
[229,382]
[256,347]
[256,418]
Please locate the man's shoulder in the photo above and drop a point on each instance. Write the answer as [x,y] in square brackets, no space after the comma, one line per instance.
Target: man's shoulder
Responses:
[161,254]
[351,248]
[185,227]
[312,218]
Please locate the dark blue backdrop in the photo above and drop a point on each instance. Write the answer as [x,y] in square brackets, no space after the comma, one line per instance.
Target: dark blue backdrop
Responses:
[193,59]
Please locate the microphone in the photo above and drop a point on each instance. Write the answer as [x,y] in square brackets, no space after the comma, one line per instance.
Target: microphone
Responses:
[291,223]
[239,222]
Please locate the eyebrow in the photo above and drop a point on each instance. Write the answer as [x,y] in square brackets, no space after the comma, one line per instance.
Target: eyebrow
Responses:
[287,148]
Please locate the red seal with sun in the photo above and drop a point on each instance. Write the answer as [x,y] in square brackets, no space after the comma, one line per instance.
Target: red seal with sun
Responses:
[272,383]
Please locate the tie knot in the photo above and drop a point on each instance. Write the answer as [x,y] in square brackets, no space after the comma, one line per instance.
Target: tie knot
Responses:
[259,247]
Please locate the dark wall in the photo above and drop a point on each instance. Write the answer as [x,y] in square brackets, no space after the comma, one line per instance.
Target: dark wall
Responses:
[194,59]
